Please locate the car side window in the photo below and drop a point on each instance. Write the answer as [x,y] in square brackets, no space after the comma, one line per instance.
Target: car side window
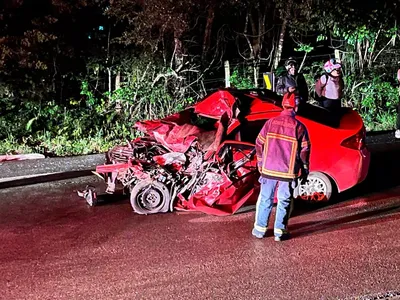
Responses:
[322,115]
[249,130]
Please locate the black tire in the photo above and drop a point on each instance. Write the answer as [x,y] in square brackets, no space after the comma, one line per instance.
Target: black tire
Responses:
[150,197]
[317,188]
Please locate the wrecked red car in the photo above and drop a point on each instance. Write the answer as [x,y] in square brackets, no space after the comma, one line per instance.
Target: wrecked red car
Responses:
[203,158]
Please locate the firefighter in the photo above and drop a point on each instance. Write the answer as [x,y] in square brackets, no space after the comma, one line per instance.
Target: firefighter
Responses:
[291,81]
[283,150]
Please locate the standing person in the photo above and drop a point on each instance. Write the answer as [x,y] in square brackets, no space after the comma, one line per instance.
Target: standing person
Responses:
[291,81]
[283,149]
[397,132]
[330,86]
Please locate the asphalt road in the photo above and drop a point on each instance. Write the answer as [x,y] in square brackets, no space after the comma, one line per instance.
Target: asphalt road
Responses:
[55,247]
[52,246]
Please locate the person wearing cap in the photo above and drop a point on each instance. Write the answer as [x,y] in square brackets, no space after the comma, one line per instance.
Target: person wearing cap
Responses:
[329,87]
[283,150]
[292,82]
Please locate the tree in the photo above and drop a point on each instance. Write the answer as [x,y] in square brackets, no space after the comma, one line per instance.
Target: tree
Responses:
[42,44]
[255,31]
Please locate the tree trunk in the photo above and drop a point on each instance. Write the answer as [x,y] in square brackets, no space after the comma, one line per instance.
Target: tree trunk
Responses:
[118,86]
[278,52]
[109,83]
[178,55]
[207,31]
[109,64]
[255,41]
[227,74]
[258,43]
[256,72]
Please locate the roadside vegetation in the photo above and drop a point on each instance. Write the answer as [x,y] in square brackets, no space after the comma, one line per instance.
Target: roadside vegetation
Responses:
[74,78]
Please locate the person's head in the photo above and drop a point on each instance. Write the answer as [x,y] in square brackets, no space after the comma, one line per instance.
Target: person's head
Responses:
[333,68]
[291,66]
[290,101]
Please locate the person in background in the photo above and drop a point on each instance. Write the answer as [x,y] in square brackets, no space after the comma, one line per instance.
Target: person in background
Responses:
[292,82]
[397,132]
[283,149]
[329,87]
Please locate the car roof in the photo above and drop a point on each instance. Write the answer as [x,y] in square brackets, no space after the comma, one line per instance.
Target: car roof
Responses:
[262,104]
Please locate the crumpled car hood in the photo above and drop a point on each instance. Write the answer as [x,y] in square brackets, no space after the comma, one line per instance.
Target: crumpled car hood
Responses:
[216,105]
[191,156]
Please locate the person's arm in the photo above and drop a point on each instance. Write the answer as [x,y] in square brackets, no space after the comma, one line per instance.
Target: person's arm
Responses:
[280,86]
[319,86]
[260,141]
[305,148]
[302,87]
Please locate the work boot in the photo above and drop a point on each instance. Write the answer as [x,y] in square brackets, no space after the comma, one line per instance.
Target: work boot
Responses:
[282,237]
[257,233]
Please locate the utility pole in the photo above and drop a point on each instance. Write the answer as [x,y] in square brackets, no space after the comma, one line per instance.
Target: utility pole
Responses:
[337,55]
[227,74]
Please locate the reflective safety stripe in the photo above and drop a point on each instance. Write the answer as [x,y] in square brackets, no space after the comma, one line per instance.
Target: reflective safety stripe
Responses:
[278,174]
[280,231]
[260,228]
[282,137]
[261,138]
[292,158]
[289,174]
[267,81]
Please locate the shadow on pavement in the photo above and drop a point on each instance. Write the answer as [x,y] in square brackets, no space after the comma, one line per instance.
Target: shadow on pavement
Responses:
[112,199]
[383,174]
[44,178]
[365,218]
[382,177]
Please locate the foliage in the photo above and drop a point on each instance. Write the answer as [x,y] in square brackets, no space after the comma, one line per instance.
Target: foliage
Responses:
[12,145]
[241,79]
[58,131]
[312,72]
[149,90]
[91,123]
[60,61]
[376,98]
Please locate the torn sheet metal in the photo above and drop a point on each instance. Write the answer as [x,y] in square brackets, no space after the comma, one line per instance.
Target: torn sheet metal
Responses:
[186,162]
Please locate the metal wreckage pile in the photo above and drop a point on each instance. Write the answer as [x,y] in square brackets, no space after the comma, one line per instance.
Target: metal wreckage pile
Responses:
[191,160]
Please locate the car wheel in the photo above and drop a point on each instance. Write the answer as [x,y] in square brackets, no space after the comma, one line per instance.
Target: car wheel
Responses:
[317,188]
[150,197]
